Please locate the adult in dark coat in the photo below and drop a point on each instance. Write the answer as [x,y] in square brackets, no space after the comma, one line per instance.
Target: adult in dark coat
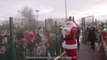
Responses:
[92,37]
[77,37]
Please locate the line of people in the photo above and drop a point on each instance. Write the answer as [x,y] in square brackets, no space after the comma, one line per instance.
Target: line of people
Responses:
[71,33]
[33,43]
[98,35]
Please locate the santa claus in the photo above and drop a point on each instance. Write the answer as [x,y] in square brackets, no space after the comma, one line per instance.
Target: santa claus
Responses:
[69,31]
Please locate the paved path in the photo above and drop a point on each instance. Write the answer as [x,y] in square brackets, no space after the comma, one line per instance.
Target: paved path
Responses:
[85,53]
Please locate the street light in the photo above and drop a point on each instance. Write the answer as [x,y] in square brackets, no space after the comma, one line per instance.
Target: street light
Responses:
[37,13]
[66,9]
[37,16]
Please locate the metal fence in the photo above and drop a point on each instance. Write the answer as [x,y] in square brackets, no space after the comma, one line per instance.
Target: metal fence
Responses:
[21,42]
[24,43]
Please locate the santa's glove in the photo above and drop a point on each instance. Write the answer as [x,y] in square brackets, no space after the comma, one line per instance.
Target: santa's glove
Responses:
[62,28]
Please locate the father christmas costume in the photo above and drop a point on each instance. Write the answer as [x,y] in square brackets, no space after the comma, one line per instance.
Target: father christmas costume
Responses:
[69,31]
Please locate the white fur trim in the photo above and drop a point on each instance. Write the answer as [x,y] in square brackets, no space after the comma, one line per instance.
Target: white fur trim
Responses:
[65,31]
[72,46]
[63,45]
[72,23]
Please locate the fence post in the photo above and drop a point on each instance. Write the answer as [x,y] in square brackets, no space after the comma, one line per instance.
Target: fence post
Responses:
[56,40]
[45,25]
[83,30]
[96,23]
[106,32]
[12,48]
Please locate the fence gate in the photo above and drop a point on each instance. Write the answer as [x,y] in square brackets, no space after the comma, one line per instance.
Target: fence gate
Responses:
[86,22]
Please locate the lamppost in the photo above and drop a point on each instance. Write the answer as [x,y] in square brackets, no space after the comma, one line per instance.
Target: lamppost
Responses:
[37,13]
[66,9]
[37,16]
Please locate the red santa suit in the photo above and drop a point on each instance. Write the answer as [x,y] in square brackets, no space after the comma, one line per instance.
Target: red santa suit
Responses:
[103,39]
[70,45]
[103,32]
[103,35]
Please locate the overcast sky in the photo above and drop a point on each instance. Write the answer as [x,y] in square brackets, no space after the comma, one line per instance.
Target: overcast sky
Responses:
[54,8]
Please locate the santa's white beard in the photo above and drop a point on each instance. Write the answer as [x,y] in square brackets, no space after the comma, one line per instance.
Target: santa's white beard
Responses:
[66,31]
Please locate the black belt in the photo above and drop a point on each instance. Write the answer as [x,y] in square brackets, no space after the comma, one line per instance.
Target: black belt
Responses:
[67,39]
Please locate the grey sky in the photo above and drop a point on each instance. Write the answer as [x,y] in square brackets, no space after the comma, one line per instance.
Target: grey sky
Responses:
[54,8]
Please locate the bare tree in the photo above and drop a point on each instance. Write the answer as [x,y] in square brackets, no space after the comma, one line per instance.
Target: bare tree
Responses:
[28,17]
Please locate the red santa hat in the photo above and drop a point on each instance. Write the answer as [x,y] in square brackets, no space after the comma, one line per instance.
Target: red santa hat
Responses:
[68,21]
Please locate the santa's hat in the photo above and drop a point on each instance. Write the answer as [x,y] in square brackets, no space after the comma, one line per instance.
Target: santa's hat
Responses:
[102,25]
[70,18]
[69,21]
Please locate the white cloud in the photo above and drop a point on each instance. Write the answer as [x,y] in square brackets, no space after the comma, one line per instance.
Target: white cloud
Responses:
[96,10]
[54,8]
[44,11]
